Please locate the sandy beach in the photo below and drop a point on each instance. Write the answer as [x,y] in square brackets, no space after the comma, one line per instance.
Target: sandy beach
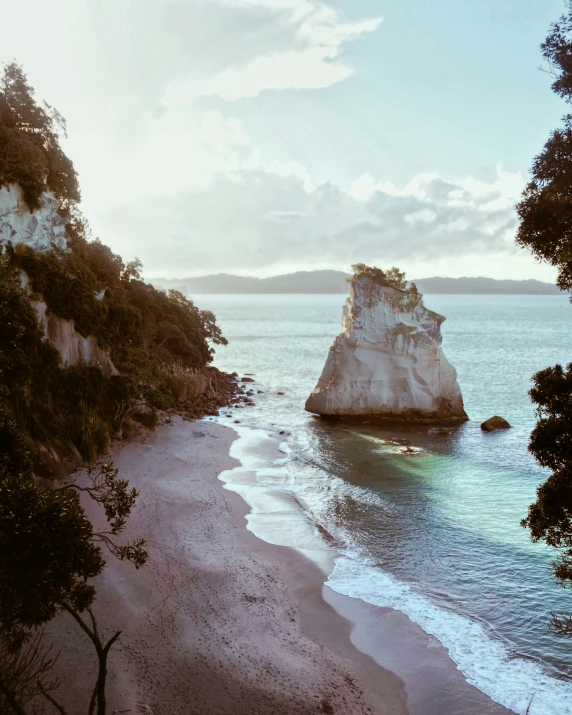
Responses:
[218,621]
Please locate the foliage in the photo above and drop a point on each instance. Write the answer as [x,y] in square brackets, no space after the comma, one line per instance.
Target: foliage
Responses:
[550,517]
[546,229]
[158,341]
[371,272]
[30,153]
[50,550]
[546,207]
[24,673]
[394,278]
[49,553]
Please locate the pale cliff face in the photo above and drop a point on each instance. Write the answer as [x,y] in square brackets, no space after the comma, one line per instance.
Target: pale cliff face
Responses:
[73,347]
[388,361]
[40,230]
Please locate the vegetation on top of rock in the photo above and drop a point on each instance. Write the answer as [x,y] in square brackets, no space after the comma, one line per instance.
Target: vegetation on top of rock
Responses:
[30,152]
[394,278]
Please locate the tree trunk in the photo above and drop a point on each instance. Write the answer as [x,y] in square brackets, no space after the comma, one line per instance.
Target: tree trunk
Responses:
[101,678]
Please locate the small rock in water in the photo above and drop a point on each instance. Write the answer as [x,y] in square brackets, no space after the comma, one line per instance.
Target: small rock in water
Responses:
[279,393]
[440,430]
[247,379]
[237,422]
[260,392]
[495,423]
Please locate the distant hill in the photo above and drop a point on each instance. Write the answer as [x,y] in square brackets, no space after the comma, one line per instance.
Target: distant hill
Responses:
[301,282]
[336,282]
[491,286]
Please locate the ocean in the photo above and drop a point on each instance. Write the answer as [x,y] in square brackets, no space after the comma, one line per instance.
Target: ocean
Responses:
[434,534]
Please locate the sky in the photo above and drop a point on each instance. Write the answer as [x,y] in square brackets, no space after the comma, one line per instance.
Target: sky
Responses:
[260,137]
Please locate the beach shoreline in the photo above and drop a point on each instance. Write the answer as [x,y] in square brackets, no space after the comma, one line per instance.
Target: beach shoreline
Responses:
[434,684]
[219,621]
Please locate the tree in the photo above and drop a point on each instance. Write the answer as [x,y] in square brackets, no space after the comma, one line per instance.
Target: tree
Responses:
[546,208]
[25,669]
[50,552]
[546,229]
[396,278]
[30,152]
[550,517]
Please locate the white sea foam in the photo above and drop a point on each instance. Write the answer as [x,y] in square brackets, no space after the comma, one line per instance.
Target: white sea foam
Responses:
[484,661]
[286,501]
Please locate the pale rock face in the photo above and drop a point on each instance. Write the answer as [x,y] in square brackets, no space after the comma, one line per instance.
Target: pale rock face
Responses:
[388,361]
[41,229]
[73,347]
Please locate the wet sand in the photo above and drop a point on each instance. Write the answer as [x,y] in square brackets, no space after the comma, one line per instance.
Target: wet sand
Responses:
[218,621]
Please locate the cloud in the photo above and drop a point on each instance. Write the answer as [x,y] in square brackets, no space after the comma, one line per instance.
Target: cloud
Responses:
[258,221]
[271,45]
[148,87]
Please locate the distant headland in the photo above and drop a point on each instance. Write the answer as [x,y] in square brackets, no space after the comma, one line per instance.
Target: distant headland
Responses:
[337,282]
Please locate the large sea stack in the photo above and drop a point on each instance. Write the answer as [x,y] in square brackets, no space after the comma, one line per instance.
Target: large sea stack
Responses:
[388,362]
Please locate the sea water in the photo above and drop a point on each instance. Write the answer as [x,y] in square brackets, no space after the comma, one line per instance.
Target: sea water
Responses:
[436,533]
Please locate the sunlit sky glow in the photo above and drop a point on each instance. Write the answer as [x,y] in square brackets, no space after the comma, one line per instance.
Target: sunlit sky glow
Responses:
[262,136]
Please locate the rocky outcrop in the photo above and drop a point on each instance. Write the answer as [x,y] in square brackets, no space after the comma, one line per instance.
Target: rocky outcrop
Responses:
[495,423]
[73,347]
[41,229]
[388,361]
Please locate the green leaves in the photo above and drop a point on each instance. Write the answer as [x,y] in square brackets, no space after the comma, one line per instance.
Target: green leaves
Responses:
[46,552]
[546,207]
[30,153]
[117,500]
[550,517]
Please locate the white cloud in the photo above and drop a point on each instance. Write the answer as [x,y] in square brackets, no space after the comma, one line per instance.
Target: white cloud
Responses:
[166,175]
[308,39]
[259,221]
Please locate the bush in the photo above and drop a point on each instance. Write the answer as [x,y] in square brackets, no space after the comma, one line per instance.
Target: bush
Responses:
[147,419]
[185,383]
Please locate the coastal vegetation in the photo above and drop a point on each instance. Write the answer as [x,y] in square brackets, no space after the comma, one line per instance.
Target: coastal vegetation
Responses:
[394,278]
[54,416]
[159,341]
[30,151]
[546,229]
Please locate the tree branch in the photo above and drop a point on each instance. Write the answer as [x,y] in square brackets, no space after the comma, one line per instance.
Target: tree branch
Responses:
[51,699]
[11,700]
[82,625]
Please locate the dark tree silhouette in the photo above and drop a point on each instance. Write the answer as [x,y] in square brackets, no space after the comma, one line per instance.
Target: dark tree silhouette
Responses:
[546,229]
[30,152]
[50,552]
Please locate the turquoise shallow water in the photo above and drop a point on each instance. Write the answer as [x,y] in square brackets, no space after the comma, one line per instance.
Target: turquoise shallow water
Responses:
[436,534]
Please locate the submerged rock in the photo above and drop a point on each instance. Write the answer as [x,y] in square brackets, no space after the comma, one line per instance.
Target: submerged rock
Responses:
[494,423]
[388,361]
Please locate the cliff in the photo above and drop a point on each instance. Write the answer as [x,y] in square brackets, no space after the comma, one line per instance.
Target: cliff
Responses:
[74,349]
[43,229]
[388,361]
